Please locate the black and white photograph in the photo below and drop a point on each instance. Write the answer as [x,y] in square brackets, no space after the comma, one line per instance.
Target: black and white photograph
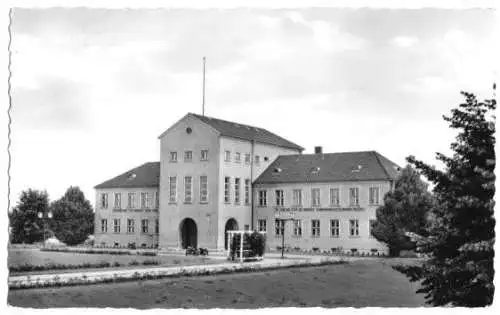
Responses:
[250,157]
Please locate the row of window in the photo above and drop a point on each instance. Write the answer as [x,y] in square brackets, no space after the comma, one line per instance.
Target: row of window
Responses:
[188,189]
[237,190]
[148,200]
[237,157]
[279,227]
[188,156]
[130,226]
[334,200]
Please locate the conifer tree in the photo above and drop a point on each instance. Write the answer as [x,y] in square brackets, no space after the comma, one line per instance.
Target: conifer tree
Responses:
[460,271]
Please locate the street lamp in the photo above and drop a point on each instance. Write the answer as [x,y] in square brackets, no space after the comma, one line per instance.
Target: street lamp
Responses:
[41,215]
[279,216]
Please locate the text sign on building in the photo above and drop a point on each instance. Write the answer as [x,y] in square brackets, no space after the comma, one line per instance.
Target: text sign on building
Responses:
[285,213]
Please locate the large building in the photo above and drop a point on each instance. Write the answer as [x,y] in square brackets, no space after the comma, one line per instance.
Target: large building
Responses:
[329,199]
[215,175]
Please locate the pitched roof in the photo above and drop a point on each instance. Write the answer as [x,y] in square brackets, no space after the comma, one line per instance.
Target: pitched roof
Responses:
[246,132]
[146,175]
[330,167]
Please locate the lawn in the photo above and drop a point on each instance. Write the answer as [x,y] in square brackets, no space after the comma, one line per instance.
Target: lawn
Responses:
[36,257]
[360,283]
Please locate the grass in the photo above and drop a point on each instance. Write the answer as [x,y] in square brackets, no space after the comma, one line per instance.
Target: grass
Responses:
[357,284]
[21,257]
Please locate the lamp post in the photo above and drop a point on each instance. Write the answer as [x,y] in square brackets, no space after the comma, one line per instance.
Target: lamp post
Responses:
[279,215]
[41,215]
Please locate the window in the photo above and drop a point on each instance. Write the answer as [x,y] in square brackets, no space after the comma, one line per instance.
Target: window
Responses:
[144,225]
[227,156]
[334,196]
[247,191]
[157,226]
[188,156]
[297,197]
[315,228]
[279,227]
[173,189]
[247,158]
[204,155]
[280,199]
[104,201]
[262,225]
[188,189]
[116,225]
[145,200]
[173,156]
[130,225]
[203,189]
[374,195]
[131,201]
[227,183]
[157,199]
[372,223]
[118,201]
[315,197]
[263,198]
[354,227]
[297,228]
[237,157]
[335,228]
[237,190]
[354,196]
[257,160]
[104,226]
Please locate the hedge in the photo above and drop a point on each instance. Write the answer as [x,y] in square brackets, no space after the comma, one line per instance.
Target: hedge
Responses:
[52,266]
[184,273]
[93,251]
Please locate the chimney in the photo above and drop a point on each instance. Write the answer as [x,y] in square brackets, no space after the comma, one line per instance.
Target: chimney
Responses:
[318,150]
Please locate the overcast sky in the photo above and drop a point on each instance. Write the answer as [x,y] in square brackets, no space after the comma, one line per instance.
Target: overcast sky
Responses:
[93,89]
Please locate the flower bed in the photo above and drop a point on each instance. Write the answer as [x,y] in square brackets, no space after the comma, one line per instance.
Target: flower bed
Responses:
[158,273]
[103,264]
[100,251]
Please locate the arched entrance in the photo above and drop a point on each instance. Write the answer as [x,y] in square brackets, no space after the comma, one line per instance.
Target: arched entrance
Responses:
[189,233]
[231,225]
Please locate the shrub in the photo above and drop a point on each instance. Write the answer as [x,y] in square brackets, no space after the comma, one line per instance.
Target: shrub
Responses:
[150,262]
[134,263]
[315,249]
[354,250]
[131,245]
[296,248]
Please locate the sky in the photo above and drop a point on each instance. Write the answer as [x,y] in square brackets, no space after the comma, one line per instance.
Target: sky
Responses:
[92,89]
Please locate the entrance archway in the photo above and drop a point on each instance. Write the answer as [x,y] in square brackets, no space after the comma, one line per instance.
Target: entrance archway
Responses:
[189,233]
[231,225]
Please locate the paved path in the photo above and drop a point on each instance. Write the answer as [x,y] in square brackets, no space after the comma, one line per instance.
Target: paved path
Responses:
[103,275]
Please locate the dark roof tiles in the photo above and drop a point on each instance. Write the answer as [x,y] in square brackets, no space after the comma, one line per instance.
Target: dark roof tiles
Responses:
[246,132]
[146,175]
[330,167]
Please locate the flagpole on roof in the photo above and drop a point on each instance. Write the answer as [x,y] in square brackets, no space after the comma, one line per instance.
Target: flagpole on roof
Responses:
[203,100]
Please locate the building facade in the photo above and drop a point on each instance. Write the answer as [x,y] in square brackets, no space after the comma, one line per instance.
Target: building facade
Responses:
[207,169]
[329,200]
[127,208]
[215,175]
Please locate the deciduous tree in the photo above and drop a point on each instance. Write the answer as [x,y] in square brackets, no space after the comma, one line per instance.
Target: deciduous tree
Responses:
[404,210]
[73,217]
[25,225]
